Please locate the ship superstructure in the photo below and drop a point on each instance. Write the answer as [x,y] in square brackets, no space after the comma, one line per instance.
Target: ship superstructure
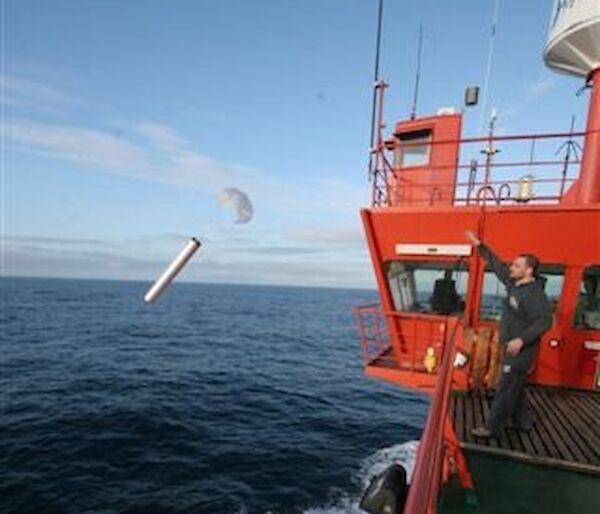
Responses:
[440,304]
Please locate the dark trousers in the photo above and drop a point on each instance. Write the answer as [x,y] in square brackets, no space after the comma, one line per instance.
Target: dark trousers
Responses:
[509,401]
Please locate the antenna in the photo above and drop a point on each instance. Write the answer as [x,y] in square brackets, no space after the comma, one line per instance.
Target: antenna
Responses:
[375,81]
[570,146]
[488,71]
[413,113]
[489,150]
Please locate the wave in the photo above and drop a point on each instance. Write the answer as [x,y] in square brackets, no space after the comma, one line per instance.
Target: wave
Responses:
[372,466]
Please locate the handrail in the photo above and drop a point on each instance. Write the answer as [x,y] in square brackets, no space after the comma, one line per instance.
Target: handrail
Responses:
[391,186]
[487,139]
[371,335]
[424,487]
[423,492]
[376,341]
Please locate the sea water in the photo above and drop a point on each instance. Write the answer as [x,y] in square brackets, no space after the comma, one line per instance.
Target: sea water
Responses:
[216,399]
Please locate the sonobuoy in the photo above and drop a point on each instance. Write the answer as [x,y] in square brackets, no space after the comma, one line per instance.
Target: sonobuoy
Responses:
[171,272]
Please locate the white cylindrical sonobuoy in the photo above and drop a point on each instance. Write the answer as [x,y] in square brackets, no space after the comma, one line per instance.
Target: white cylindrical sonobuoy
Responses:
[171,272]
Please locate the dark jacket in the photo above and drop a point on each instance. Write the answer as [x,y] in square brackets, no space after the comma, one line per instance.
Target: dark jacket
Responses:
[526,312]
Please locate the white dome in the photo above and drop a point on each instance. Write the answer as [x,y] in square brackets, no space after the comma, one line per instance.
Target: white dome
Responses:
[574,38]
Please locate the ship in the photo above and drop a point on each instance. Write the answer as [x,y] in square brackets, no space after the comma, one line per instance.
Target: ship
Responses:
[435,329]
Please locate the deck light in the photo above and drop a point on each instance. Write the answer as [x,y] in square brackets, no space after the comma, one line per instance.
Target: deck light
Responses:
[525,191]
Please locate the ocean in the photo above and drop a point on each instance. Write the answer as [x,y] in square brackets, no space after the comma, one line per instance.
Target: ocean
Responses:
[216,399]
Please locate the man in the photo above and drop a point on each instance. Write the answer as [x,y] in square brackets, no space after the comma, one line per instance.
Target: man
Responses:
[526,315]
[445,299]
[588,302]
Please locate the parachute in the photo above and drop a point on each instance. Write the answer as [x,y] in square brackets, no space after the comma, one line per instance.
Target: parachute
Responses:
[232,197]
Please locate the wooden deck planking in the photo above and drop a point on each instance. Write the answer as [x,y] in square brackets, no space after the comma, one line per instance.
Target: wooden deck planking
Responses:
[583,413]
[550,447]
[566,432]
[469,420]
[526,442]
[549,422]
[486,405]
[570,428]
[478,401]
[458,419]
[591,425]
[588,408]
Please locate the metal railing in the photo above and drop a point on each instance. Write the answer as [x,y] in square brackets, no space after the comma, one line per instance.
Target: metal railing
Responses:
[487,179]
[414,332]
[372,321]
[373,331]
[425,485]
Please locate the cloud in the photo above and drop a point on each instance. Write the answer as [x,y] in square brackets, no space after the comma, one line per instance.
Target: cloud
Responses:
[131,245]
[160,155]
[151,151]
[165,160]
[318,273]
[213,117]
[37,259]
[309,254]
[24,93]
[341,196]
[286,250]
[79,145]
[541,87]
[332,235]
[161,135]
[112,153]
[59,241]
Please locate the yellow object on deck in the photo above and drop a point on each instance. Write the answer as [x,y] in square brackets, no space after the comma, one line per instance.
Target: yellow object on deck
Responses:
[430,361]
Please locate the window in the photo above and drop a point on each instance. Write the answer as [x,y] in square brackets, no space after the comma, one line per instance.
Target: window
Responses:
[494,292]
[587,311]
[430,287]
[413,149]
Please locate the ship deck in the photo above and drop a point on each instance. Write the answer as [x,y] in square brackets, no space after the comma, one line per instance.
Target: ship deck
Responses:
[566,432]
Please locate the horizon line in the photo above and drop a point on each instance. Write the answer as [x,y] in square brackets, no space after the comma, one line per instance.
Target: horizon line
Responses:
[198,282]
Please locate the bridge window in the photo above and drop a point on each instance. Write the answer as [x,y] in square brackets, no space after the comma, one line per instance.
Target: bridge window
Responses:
[414,148]
[429,287]
[493,291]
[587,311]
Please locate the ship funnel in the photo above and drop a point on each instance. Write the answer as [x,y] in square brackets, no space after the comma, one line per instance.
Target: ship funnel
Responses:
[574,38]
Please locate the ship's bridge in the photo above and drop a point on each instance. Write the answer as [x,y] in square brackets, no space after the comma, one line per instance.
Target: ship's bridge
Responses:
[426,163]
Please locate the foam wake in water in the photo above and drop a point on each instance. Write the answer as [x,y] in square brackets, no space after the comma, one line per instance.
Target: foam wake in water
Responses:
[404,454]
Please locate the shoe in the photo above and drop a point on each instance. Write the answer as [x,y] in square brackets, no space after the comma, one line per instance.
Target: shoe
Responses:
[481,432]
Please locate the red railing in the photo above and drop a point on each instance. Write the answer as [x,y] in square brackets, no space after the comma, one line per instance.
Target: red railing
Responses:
[373,330]
[487,179]
[426,479]
[415,333]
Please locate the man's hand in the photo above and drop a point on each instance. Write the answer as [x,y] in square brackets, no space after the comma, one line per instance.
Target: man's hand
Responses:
[514,346]
[473,238]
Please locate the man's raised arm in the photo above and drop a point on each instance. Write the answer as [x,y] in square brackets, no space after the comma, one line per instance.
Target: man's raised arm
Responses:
[500,268]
